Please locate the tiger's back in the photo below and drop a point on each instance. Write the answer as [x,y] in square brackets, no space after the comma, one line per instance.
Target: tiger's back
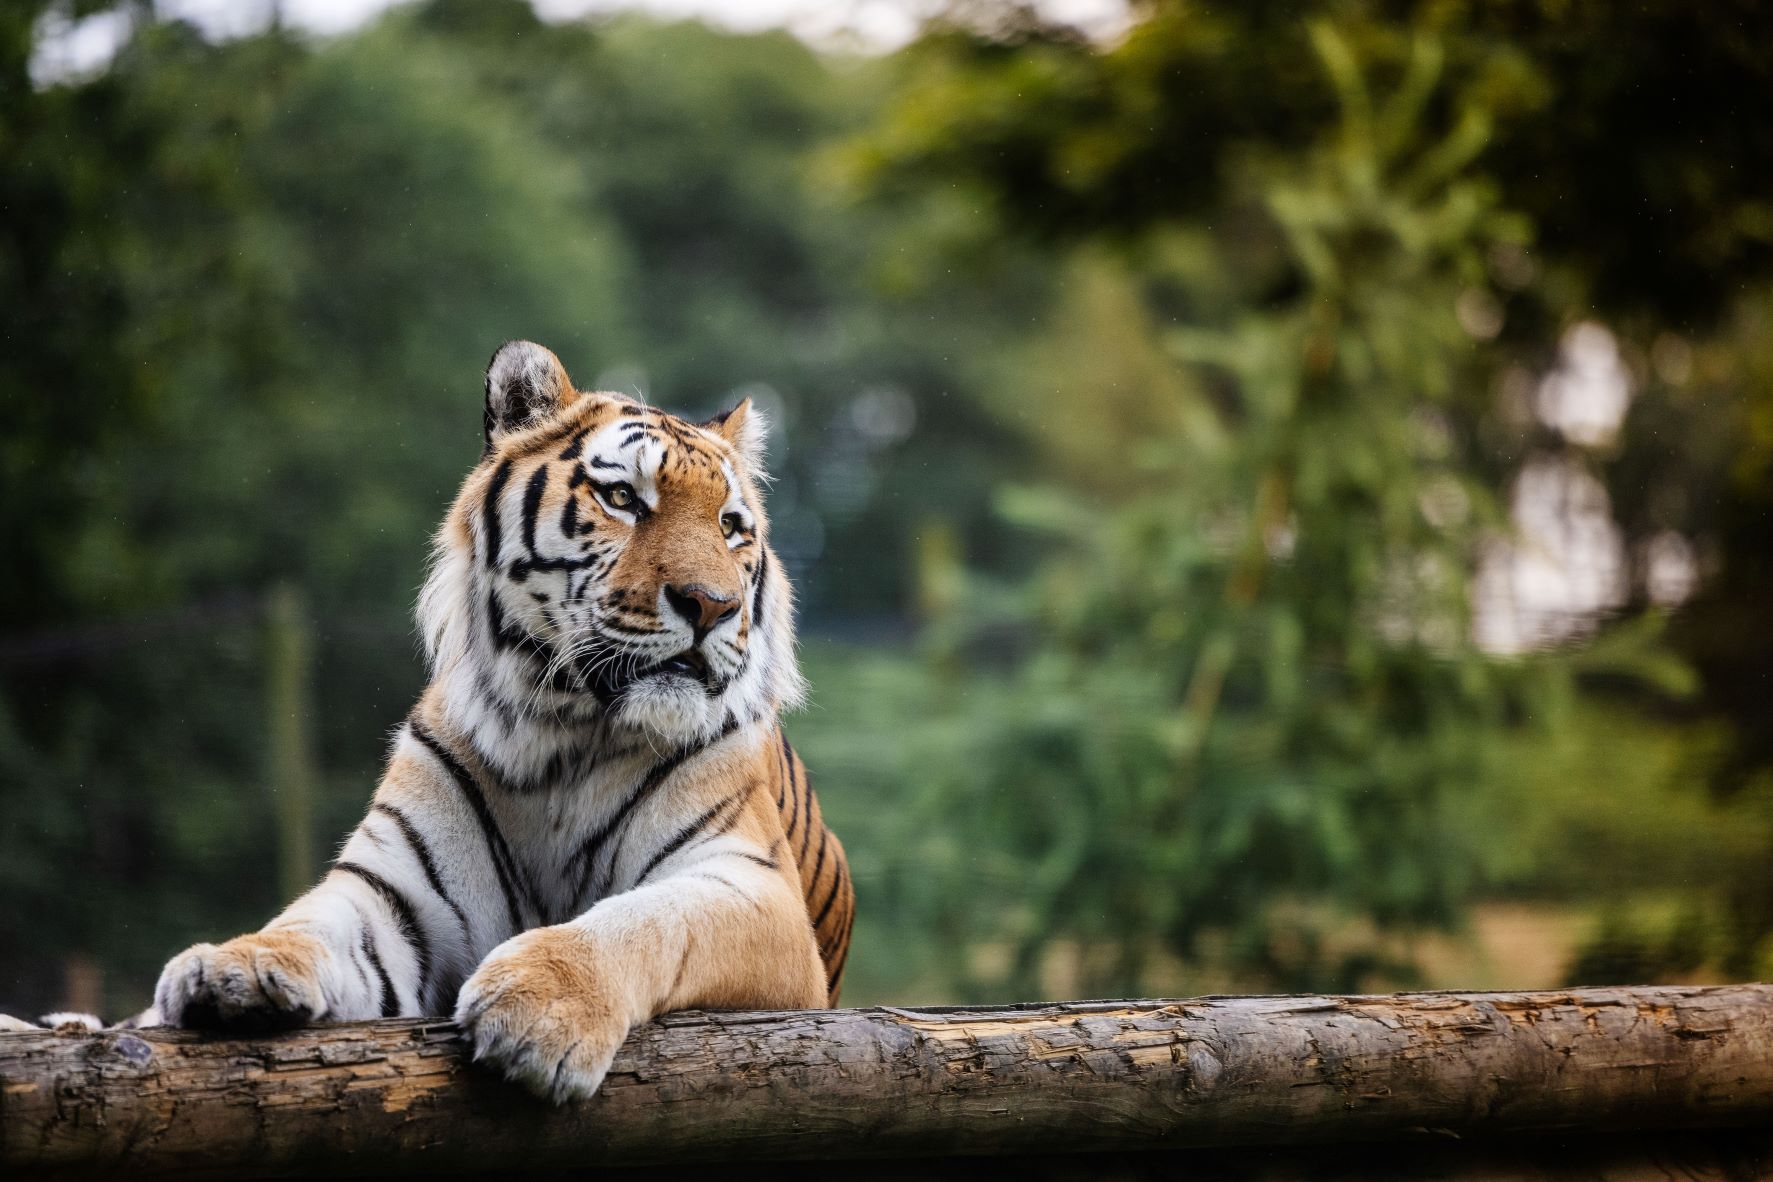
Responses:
[824,870]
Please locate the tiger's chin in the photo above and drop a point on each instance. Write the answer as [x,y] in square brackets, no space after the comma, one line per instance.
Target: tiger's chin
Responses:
[672,707]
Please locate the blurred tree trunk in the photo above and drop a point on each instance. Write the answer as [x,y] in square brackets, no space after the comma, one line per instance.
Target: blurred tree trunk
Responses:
[83,984]
[292,775]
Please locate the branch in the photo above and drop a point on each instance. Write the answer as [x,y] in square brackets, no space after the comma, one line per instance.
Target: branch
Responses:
[373,1096]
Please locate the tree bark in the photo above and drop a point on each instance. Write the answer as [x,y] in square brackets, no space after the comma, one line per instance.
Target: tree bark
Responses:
[399,1095]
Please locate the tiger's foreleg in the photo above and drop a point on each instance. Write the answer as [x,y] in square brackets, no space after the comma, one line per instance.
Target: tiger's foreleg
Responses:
[550,1007]
[391,930]
[324,957]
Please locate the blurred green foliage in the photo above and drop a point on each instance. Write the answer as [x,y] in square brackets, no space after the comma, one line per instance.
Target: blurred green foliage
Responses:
[1145,415]
[1325,251]
[1259,656]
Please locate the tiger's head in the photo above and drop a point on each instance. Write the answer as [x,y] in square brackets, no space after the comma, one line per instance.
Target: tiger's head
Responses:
[608,560]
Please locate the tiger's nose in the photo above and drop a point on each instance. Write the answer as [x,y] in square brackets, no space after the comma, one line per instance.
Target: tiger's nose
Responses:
[700,606]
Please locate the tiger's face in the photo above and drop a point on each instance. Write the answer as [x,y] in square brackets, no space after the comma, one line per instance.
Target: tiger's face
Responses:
[619,559]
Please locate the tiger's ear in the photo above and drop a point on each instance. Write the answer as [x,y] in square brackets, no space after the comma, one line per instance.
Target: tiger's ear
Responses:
[525,385]
[746,428]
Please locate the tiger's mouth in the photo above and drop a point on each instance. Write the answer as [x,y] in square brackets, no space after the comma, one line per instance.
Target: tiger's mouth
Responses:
[690,663]
[615,678]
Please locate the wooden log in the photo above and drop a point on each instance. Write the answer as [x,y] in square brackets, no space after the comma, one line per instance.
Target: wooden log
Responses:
[399,1095]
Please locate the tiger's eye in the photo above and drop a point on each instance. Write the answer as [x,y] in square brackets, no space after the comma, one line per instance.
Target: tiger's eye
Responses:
[620,496]
[729,524]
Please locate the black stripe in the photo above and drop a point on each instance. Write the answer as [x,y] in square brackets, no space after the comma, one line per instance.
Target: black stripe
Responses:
[683,835]
[589,851]
[554,437]
[509,637]
[766,863]
[357,964]
[503,707]
[617,626]
[782,765]
[489,828]
[841,937]
[504,635]
[785,800]
[422,851]
[565,765]
[528,566]
[836,973]
[607,465]
[819,862]
[570,518]
[836,884]
[763,561]
[490,512]
[390,1005]
[526,889]
[532,505]
[730,822]
[806,801]
[573,448]
[849,915]
[406,922]
[654,778]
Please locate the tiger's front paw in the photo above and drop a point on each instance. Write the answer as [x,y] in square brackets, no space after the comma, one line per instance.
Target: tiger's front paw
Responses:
[538,1010]
[263,981]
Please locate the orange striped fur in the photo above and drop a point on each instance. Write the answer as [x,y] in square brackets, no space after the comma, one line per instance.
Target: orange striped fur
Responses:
[824,871]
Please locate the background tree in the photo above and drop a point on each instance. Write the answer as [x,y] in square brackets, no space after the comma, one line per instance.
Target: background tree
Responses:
[1157,149]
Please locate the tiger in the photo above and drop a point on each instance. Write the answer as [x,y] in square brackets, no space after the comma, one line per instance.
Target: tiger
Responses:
[592,816]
